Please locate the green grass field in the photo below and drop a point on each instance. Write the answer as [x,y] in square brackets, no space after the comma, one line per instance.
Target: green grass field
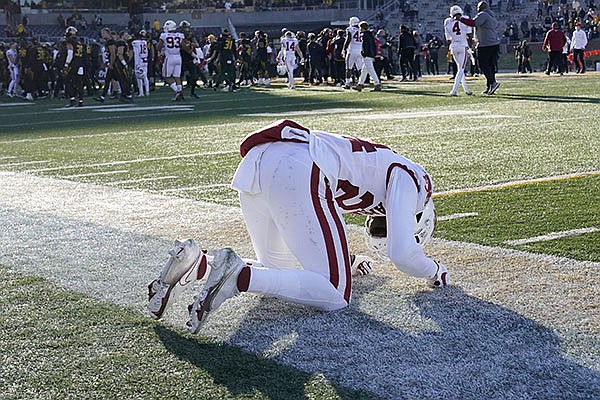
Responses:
[519,166]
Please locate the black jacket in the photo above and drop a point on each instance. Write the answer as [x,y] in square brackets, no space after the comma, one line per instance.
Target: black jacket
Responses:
[368,44]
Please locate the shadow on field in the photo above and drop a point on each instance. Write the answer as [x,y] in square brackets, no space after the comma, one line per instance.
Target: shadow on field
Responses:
[430,344]
[553,99]
[243,373]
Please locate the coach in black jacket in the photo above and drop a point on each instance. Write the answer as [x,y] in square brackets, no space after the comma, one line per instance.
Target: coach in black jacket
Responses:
[369,51]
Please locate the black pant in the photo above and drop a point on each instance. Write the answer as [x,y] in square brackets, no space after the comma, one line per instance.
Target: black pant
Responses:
[407,63]
[74,84]
[488,58]
[578,59]
[555,59]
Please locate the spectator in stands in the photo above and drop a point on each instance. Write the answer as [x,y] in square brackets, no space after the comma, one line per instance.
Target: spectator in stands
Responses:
[488,44]
[554,42]
[61,21]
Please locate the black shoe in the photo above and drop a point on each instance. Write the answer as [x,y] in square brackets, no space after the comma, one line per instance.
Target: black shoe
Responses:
[493,88]
[194,95]
[100,99]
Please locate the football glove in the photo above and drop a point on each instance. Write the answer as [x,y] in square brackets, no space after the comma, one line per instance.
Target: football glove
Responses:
[361,265]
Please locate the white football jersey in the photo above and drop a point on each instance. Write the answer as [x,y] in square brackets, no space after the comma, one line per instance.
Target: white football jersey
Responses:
[172,43]
[355,38]
[288,45]
[13,56]
[457,32]
[358,170]
[140,51]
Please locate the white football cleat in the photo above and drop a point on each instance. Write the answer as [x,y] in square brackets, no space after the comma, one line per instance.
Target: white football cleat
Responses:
[220,285]
[187,264]
[441,277]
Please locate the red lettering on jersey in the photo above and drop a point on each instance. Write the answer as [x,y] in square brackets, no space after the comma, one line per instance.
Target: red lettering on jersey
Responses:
[359,145]
[456,28]
[351,192]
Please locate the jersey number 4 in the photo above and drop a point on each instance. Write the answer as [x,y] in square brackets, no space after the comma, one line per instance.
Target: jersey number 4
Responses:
[456,28]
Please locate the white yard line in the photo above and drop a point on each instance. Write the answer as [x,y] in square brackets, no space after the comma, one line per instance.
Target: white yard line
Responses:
[551,236]
[149,108]
[309,112]
[7,157]
[42,139]
[200,187]
[457,216]
[135,161]
[517,183]
[156,178]
[121,171]
[16,104]
[18,164]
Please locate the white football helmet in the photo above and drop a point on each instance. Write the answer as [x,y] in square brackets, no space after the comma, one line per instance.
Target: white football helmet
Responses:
[71,31]
[170,26]
[281,70]
[454,10]
[376,236]
[353,21]
[425,222]
[376,230]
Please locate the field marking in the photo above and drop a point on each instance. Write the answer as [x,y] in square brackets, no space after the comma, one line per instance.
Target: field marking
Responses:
[42,139]
[516,183]
[135,161]
[200,187]
[149,108]
[91,107]
[15,104]
[551,236]
[156,178]
[7,157]
[413,114]
[121,171]
[311,112]
[457,216]
[24,163]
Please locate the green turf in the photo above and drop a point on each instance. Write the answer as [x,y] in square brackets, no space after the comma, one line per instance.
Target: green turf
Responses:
[63,345]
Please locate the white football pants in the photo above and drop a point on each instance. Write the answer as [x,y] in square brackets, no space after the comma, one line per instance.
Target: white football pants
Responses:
[368,69]
[294,218]
[460,54]
[290,65]
[353,59]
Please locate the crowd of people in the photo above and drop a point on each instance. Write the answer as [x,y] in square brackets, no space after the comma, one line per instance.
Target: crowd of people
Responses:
[129,63]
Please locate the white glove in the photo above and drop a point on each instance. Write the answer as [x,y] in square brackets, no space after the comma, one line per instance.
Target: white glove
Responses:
[361,265]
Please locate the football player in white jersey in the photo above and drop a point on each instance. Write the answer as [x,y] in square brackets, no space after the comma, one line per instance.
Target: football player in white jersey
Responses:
[294,186]
[353,50]
[170,44]
[458,35]
[12,54]
[140,63]
[289,54]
